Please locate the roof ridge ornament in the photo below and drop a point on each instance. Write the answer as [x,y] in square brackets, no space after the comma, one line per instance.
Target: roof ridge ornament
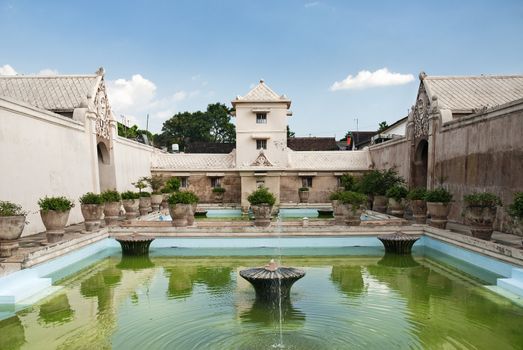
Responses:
[261,160]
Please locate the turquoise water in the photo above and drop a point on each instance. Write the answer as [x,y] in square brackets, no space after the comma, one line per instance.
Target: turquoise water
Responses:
[194,299]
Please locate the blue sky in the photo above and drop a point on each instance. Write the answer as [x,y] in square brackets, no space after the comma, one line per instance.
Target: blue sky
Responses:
[162,57]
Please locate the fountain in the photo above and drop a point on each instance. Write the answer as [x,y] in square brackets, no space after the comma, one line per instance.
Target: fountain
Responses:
[272,282]
[398,242]
[135,244]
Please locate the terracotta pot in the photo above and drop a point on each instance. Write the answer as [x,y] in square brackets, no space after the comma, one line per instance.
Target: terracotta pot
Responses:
[156,200]
[145,205]
[396,208]
[419,210]
[262,215]
[304,196]
[11,227]
[352,214]
[380,204]
[131,208]
[54,222]
[92,214]
[112,213]
[338,212]
[438,214]
[190,214]
[179,214]
[481,221]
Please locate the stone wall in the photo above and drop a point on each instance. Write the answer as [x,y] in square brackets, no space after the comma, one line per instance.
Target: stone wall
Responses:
[323,184]
[132,161]
[392,154]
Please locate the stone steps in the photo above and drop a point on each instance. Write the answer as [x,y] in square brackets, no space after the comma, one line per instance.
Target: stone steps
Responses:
[514,284]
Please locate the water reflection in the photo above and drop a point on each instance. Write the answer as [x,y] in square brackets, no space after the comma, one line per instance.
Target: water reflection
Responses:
[135,263]
[398,260]
[182,280]
[348,279]
[267,313]
[12,334]
[56,311]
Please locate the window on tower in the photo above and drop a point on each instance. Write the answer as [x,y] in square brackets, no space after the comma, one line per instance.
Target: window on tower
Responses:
[261,118]
[261,144]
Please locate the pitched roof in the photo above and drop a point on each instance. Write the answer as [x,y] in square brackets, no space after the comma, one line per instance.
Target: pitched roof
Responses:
[53,93]
[193,161]
[209,147]
[312,143]
[261,93]
[464,94]
[329,160]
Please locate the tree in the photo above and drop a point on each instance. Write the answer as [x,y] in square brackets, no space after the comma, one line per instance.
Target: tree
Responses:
[290,133]
[382,126]
[213,125]
[134,133]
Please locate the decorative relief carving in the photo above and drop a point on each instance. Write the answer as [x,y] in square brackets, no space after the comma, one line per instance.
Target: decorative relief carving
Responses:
[421,115]
[103,113]
[261,160]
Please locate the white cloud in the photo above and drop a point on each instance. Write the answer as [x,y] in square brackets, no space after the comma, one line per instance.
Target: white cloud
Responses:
[126,94]
[366,79]
[311,4]
[7,70]
[180,96]
[48,71]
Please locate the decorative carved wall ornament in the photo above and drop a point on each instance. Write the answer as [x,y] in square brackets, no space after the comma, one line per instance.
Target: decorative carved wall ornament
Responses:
[103,112]
[421,115]
[261,160]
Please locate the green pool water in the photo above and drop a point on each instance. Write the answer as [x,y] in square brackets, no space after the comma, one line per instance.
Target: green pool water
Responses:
[345,301]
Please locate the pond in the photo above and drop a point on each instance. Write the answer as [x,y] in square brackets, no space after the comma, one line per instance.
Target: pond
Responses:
[189,298]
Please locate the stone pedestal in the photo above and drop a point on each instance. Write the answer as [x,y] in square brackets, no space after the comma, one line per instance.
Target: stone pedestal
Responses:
[135,244]
[8,248]
[398,243]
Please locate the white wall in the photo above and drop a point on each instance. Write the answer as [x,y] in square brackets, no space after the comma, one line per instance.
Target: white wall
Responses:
[132,161]
[42,153]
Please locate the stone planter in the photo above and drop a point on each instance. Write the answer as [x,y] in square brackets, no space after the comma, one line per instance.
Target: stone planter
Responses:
[54,222]
[131,208]
[92,214]
[112,213]
[145,205]
[218,197]
[481,221]
[352,214]
[190,214]
[397,208]
[165,204]
[338,212]
[179,214]
[380,204]
[262,215]
[304,196]
[156,201]
[419,210]
[438,214]
[11,228]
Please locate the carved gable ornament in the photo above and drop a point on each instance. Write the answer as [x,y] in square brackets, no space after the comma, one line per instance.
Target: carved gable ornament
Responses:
[421,115]
[103,112]
[261,160]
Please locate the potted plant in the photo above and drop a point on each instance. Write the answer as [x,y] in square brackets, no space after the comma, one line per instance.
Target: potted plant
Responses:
[179,208]
[55,212]
[193,201]
[438,206]
[480,213]
[12,222]
[170,186]
[354,204]
[218,194]
[145,203]
[131,202]
[416,197]
[376,183]
[303,193]
[155,182]
[396,195]
[337,209]
[112,206]
[92,207]
[261,202]
[515,211]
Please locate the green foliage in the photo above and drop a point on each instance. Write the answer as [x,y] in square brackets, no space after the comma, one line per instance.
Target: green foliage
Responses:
[303,189]
[354,198]
[213,125]
[417,193]
[172,185]
[290,134]
[218,190]
[155,181]
[439,195]
[111,196]
[130,195]
[378,182]
[55,203]
[261,196]
[145,194]
[334,196]
[133,132]
[349,182]
[482,199]
[382,126]
[91,198]
[516,208]
[397,192]
[183,197]
[140,184]
[11,209]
